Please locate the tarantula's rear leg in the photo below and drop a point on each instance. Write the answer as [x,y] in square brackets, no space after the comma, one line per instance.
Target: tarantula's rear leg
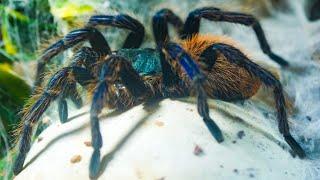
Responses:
[192,25]
[115,68]
[177,53]
[236,56]
[54,89]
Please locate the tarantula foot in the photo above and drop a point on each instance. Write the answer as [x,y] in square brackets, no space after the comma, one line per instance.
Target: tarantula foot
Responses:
[94,164]
[18,165]
[63,111]
[295,146]
[279,60]
[214,130]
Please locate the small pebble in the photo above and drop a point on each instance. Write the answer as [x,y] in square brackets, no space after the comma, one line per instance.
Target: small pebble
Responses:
[309,118]
[234,141]
[159,123]
[87,143]
[40,139]
[236,171]
[197,150]
[46,120]
[241,134]
[75,159]
[189,109]
[251,175]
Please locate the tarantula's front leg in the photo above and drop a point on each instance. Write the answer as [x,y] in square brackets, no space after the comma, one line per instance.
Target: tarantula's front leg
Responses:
[72,93]
[160,23]
[192,25]
[54,89]
[88,58]
[115,68]
[236,56]
[135,37]
[96,39]
[177,53]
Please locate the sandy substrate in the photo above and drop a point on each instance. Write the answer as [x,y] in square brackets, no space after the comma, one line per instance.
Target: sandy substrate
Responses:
[168,141]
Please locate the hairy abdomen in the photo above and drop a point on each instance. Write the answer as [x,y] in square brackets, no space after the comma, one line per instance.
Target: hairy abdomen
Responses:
[230,82]
[226,80]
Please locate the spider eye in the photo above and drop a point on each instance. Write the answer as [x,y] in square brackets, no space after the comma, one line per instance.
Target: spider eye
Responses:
[208,57]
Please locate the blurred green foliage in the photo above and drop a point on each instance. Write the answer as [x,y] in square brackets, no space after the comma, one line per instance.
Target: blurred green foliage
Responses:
[6,163]
[13,92]
[23,26]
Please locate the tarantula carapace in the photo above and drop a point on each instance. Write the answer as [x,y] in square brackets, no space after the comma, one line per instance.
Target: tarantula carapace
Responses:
[200,65]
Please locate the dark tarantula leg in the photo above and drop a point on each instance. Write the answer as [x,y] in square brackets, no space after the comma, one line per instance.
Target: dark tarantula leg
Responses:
[236,56]
[177,53]
[71,93]
[96,40]
[115,67]
[124,21]
[54,88]
[160,25]
[192,25]
[75,96]
[63,110]
[160,32]
[86,57]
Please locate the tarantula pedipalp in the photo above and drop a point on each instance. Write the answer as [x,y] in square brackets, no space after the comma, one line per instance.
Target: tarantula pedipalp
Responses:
[206,64]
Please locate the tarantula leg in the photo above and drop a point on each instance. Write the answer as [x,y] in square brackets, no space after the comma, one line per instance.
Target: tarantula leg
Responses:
[160,25]
[124,21]
[115,68]
[86,57]
[192,25]
[71,93]
[75,97]
[54,89]
[160,32]
[236,56]
[177,53]
[24,147]
[96,39]
[63,110]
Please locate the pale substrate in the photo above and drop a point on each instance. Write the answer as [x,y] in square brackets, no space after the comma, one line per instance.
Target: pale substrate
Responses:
[160,142]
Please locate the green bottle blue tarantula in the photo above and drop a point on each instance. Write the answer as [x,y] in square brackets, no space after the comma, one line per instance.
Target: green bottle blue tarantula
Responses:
[207,65]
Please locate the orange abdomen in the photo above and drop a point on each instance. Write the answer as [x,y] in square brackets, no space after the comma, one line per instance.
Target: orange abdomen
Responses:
[226,80]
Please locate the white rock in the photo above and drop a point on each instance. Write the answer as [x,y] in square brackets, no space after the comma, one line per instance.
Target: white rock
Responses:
[160,144]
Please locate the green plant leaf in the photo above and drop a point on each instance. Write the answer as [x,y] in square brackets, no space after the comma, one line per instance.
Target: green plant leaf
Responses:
[13,85]
[70,10]
[9,47]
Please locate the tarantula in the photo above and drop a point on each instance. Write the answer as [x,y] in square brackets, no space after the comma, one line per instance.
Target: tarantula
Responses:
[199,65]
